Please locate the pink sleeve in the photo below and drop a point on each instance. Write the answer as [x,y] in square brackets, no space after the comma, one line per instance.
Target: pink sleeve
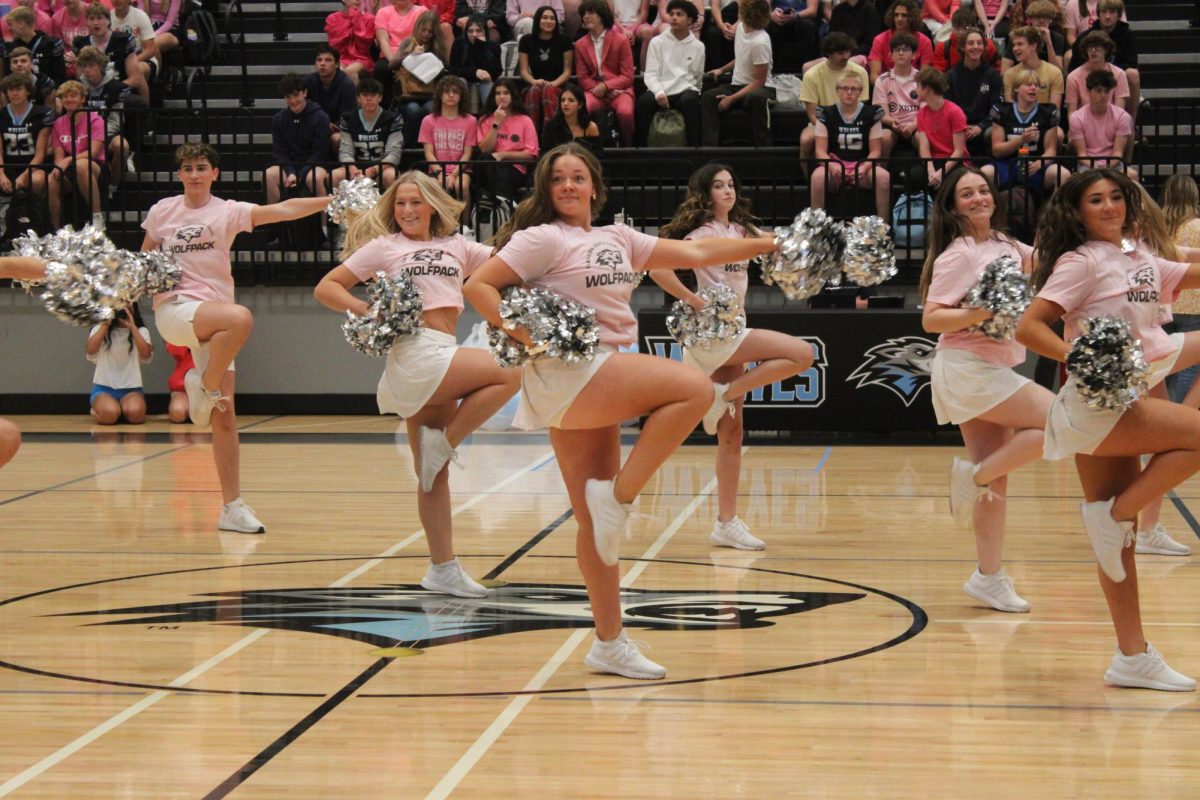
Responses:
[472,138]
[877,48]
[425,135]
[151,220]
[533,251]
[952,278]
[366,260]
[474,254]
[639,245]
[1124,123]
[958,118]
[1070,283]
[241,217]
[97,128]
[1170,273]
[1122,90]
[531,138]
[924,51]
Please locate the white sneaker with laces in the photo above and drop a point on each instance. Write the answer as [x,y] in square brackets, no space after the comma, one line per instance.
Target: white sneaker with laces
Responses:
[239,517]
[622,656]
[451,578]
[996,591]
[435,453]
[964,492]
[608,519]
[130,166]
[1146,670]
[734,533]
[200,403]
[719,408]
[1108,536]
[1159,543]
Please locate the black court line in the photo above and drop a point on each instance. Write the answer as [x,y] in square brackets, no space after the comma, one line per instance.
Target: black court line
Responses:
[244,772]
[1185,512]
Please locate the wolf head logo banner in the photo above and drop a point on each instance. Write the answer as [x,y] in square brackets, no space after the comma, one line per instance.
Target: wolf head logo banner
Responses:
[901,365]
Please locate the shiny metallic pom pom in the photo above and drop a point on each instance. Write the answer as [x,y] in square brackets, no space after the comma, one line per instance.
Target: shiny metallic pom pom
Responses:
[396,307]
[870,252]
[1003,289]
[1108,365]
[721,320]
[351,198]
[86,279]
[809,257]
[558,326]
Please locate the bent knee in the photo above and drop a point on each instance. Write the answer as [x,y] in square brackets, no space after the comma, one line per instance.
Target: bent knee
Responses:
[803,355]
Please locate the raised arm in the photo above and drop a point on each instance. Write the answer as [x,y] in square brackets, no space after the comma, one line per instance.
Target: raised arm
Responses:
[690,254]
[22,268]
[288,210]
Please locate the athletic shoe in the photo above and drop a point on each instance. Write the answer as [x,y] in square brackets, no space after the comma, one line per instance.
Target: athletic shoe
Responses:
[996,591]
[719,408]
[735,534]
[451,578]
[1108,536]
[435,454]
[237,516]
[98,221]
[1146,670]
[1158,542]
[608,519]
[964,492]
[201,402]
[621,656]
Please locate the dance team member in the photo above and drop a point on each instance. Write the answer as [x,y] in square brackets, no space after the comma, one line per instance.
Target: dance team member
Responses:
[550,243]
[199,313]
[444,392]
[715,208]
[1082,270]
[1002,415]
[18,268]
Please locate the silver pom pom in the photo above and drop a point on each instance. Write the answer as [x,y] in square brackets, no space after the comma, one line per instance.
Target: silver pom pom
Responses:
[1108,364]
[809,257]
[86,280]
[870,252]
[721,320]
[558,326]
[351,198]
[149,272]
[1003,289]
[396,307]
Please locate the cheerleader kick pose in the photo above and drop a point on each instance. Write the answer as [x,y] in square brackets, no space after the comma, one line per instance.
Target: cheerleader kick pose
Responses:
[550,243]
[200,314]
[1082,270]
[715,208]
[17,268]
[1001,414]
[444,392]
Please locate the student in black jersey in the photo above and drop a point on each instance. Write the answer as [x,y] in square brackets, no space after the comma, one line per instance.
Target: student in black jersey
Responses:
[24,138]
[47,52]
[20,62]
[849,140]
[372,138]
[119,46]
[109,98]
[1025,123]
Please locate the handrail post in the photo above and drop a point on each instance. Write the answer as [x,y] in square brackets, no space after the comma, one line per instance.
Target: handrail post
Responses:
[280,30]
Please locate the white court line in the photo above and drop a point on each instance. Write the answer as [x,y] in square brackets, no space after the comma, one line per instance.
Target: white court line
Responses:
[476,751]
[95,733]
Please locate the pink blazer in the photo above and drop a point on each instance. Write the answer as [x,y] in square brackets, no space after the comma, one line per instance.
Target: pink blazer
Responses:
[616,62]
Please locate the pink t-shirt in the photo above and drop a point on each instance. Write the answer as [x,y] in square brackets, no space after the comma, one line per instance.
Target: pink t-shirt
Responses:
[897,96]
[89,127]
[736,275]
[437,267]
[940,126]
[1077,92]
[200,238]
[516,133]
[955,272]
[449,137]
[1097,280]
[598,268]
[1099,133]
[398,27]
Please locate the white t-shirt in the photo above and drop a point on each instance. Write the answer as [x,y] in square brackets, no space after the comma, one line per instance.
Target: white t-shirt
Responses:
[137,24]
[117,365]
[750,50]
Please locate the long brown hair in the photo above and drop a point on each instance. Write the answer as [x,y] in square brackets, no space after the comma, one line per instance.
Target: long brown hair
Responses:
[945,224]
[1060,227]
[696,208]
[1180,200]
[538,209]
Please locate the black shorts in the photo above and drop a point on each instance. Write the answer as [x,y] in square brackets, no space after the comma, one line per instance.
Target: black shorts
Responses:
[105,175]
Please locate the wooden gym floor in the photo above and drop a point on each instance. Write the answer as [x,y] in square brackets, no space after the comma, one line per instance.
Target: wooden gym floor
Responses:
[146,655]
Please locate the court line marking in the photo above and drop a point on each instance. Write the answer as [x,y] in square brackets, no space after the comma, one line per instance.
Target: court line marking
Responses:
[132,711]
[455,775]
[821,464]
[1184,512]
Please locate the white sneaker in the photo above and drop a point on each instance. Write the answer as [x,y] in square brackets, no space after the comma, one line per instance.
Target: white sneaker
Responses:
[996,591]
[130,166]
[451,578]
[237,516]
[1158,542]
[1108,536]
[719,408]
[964,492]
[435,453]
[1146,670]
[98,222]
[608,519]
[735,534]
[201,402]
[621,656]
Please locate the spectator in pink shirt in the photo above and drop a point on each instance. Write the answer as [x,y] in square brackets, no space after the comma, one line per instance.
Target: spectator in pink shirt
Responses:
[1100,130]
[901,17]
[508,141]
[78,140]
[936,16]
[351,32]
[448,134]
[1098,48]
[941,126]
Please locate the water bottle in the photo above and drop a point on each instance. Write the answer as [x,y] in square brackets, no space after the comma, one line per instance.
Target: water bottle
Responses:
[1023,163]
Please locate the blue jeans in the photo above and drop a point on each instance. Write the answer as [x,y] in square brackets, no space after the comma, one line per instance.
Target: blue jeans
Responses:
[1179,383]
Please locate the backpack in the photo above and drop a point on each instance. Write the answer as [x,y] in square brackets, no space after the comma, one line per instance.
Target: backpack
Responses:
[667,129]
[202,44]
[910,215]
[26,212]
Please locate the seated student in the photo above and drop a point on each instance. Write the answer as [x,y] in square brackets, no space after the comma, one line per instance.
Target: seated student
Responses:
[604,66]
[331,89]
[24,139]
[77,137]
[522,14]
[975,87]
[1025,124]
[993,18]
[947,54]
[299,143]
[1049,43]
[69,23]
[372,140]
[476,60]
[448,135]
[936,16]
[861,21]
[42,19]
[45,51]
[118,348]
[1079,17]
[508,142]
[109,98]
[20,62]
[351,32]
[896,93]
[546,62]
[1023,44]
[849,138]
[751,84]
[167,17]
[1111,20]
[571,123]
[494,13]
[117,46]
[1097,49]
[661,22]
[718,33]
[941,126]
[793,32]
[674,74]
[136,23]
[902,16]
[415,95]
[1101,130]
[819,86]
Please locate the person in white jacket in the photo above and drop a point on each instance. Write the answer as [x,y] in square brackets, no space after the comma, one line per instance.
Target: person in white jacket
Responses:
[674,74]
